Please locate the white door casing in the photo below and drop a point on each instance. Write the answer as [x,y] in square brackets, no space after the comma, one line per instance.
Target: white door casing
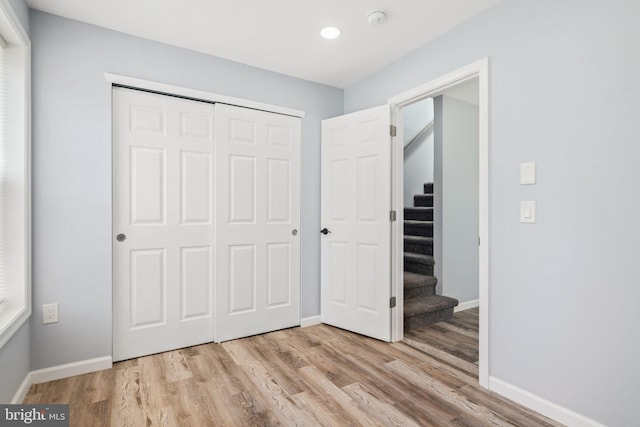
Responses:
[163,179]
[480,70]
[356,204]
[257,222]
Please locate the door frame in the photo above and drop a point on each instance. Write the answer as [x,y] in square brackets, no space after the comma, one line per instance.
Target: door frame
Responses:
[478,69]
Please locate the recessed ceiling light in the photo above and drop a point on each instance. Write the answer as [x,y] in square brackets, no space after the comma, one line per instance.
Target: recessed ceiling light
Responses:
[330,33]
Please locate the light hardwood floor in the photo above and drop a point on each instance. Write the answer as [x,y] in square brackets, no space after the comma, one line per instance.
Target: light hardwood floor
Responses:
[313,376]
[454,341]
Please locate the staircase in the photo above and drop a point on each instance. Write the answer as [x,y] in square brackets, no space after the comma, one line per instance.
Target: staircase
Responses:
[422,306]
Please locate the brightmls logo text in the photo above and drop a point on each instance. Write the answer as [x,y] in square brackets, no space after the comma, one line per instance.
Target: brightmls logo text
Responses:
[26,416]
[34,415]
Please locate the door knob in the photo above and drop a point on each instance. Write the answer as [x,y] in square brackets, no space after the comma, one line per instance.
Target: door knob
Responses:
[325,231]
[294,232]
[121,237]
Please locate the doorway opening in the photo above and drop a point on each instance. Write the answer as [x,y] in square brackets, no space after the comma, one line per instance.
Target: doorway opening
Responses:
[440,189]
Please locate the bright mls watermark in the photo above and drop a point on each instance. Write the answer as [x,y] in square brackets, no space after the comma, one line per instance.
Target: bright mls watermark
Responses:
[34,415]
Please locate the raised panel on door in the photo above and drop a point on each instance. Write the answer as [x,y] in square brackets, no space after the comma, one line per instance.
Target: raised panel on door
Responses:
[148,288]
[366,188]
[163,212]
[279,136]
[242,189]
[147,119]
[279,191]
[196,191]
[241,131]
[147,185]
[356,201]
[279,274]
[337,191]
[198,126]
[195,283]
[257,222]
[337,268]
[366,271]
[242,278]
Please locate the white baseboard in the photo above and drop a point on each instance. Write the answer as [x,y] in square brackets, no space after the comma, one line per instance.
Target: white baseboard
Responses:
[70,369]
[467,305]
[22,391]
[58,372]
[543,406]
[310,321]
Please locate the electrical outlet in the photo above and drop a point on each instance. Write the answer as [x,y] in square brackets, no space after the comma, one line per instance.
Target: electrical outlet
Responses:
[50,313]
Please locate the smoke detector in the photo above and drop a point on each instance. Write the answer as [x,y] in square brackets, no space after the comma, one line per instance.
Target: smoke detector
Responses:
[377,17]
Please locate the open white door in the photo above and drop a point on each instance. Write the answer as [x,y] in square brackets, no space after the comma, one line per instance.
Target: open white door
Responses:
[257,222]
[162,223]
[356,205]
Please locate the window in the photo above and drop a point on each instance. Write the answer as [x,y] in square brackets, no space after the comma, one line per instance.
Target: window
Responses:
[15,286]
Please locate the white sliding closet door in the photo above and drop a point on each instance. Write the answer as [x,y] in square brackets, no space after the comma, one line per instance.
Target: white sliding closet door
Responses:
[163,221]
[257,222]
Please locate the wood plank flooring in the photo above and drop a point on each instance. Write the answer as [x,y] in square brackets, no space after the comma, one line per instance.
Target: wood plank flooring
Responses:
[454,341]
[316,376]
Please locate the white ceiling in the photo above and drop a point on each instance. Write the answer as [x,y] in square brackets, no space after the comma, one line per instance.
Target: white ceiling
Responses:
[281,35]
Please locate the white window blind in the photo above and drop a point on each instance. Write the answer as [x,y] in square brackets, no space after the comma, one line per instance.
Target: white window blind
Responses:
[3,202]
[15,295]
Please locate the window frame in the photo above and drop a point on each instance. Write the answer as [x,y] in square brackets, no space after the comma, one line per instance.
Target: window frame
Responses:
[18,41]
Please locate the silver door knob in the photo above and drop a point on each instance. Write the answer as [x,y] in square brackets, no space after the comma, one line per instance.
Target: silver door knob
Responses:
[294,232]
[121,237]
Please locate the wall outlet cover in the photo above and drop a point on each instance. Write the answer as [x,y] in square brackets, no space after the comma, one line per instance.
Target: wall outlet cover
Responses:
[49,313]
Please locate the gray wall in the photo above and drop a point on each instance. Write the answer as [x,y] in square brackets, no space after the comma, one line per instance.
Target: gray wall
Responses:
[418,159]
[14,363]
[563,292]
[72,168]
[14,355]
[21,10]
[456,196]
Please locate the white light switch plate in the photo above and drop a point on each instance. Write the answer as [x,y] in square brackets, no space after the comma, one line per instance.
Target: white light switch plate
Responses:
[528,173]
[528,212]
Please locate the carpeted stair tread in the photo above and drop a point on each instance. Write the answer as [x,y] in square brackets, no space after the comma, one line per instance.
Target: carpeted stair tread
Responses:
[418,222]
[418,244]
[419,239]
[419,213]
[415,280]
[418,258]
[418,228]
[421,306]
[433,303]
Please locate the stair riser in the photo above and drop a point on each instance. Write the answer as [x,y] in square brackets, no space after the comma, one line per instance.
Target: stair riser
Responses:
[422,291]
[415,267]
[423,200]
[419,248]
[428,188]
[419,216]
[425,230]
[426,319]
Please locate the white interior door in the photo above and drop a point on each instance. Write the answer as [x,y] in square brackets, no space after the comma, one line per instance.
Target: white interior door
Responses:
[163,223]
[356,203]
[257,222]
